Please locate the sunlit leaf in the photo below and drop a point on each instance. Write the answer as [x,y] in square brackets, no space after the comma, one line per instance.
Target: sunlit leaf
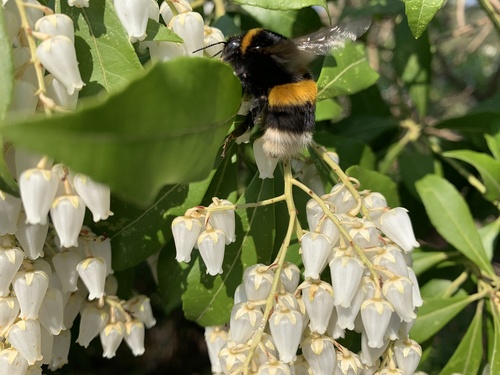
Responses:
[376,181]
[494,356]
[424,260]
[420,13]
[282,4]
[327,109]
[159,33]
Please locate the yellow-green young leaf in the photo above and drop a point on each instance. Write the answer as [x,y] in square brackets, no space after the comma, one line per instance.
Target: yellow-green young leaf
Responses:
[282,4]
[494,357]
[433,316]
[164,128]
[451,217]
[420,13]
[159,33]
[468,355]
[488,168]
[107,60]
[424,260]
[345,72]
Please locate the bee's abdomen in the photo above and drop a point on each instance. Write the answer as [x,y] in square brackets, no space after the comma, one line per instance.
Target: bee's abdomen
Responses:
[293,94]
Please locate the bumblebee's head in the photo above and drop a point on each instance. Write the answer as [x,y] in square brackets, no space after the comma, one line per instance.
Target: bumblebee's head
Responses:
[232,49]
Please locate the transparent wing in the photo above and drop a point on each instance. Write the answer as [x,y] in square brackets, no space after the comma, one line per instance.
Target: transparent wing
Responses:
[331,38]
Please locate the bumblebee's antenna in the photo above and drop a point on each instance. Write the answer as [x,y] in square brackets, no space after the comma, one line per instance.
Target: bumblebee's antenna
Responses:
[210,45]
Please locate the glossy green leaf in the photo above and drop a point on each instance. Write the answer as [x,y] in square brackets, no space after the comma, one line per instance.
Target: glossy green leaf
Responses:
[159,33]
[425,260]
[494,356]
[413,166]
[208,300]
[282,4]
[345,72]
[451,217]
[420,13]
[494,144]
[488,168]
[327,109]
[6,67]
[434,314]
[468,355]
[106,58]
[367,129]
[474,122]
[489,233]
[165,128]
[376,181]
[437,288]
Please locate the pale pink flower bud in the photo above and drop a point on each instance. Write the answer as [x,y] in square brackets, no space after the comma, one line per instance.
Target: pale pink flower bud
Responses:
[58,56]
[30,288]
[111,338]
[24,336]
[60,350]
[56,24]
[10,207]
[133,15]
[92,271]
[95,195]
[211,245]
[68,212]
[38,188]
[265,163]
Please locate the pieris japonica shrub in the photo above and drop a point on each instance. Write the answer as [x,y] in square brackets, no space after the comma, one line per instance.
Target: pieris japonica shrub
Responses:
[348,258]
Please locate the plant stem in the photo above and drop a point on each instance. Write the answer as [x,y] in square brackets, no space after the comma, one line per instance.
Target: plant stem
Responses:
[490,12]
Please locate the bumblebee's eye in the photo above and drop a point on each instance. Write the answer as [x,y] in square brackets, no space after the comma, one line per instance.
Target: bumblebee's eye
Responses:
[231,49]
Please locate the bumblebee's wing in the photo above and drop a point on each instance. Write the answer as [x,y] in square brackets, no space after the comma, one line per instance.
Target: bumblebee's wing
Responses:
[296,54]
[331,38]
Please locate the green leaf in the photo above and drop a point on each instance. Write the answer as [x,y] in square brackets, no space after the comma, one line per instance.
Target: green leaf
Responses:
[165,128]
[425,260]
[451,217]
[376,181]
[434,314]
[6,67]
[488,168]
[159,33]
[494,357]
[420,13]
[327,109]
[208,300]
[489,234]
[436,289]
[106,58]
[282,4]
[413,166]
[172,278]
[468,355]
[474,122]
[494,144]
[345,72]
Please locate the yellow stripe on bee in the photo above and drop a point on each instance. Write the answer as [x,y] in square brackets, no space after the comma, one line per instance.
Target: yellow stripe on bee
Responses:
[247,39]
[297,93]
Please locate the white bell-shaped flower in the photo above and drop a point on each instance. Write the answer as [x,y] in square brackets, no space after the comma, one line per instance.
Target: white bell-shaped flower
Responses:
[134,336]
[38,188]
[189,26]
[417,298]
[24,68]
[56,24]
[58,93]
[318,300]
[223,220]
[320,353]
[24,336]
[58,56]
[314,213]
[47,344]
[92,271]
[111,338]
[185,231]
[347,315]
[92,321]
[376,204]
[9,309]
[396,225]
[10,207]
[341,198]
[50,314]
[12,362]
[133,15]
[407,354]
[301,367]
[265,351]
[24,100]
[212,36]
[30,288]
[60,350]
[376,314]
[78,3]
[100,246]
[140,308]
[265,164]
[311,178]
[258,280]
[290,277]
[31,237]
[240,294]
[316,248]
[286,328]
[24,160]
[398,290]
[369,355]
[164,51]
[245,319]
[391,259]
[72,309]
[65,264]
[68,212]
[181,6]
[211,245]
[10,261]
[348,363]
[95,195]
[12,20]
[34,12]
[330,230]
[34,370]
[232,356]
[346,273]
[215,338]
[154,10]
[274,368]
[364,233]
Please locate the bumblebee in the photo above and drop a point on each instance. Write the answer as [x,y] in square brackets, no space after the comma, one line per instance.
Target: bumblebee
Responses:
[274,73]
